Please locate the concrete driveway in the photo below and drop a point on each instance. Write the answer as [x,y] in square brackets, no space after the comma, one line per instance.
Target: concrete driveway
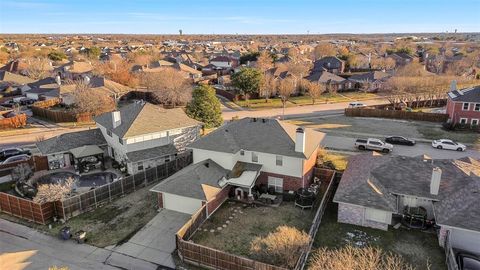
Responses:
[155,242]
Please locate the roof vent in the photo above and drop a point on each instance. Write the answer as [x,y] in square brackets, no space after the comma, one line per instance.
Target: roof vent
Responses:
[207,164]
[254,119]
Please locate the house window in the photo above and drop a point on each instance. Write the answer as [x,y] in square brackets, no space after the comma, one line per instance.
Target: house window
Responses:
[474,122]
[466,106]
[275,182]
[242,153]
[279,161]
[477,107]
[120,141]
[254,157]
[463,121]
[109,133]
[140,166]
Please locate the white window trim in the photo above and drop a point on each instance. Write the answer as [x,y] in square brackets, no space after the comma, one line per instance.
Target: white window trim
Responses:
[277,160]
[474,107]
[254,155]
[466,120]
[474,119]
[463,106]
[277,183]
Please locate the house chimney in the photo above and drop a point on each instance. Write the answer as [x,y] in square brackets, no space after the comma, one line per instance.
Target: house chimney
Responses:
[453,85]
[116,119]
[300,140]
[435,181]
[58,80]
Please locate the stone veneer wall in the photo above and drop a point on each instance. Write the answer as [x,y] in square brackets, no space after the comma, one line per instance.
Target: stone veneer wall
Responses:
[355,215]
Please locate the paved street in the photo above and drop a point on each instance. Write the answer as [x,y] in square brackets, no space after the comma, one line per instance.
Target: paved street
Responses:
[24,248]
[347,144]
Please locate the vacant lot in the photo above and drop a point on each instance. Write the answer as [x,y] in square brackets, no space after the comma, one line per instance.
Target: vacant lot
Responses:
[110,224]
[358,126]
[418,248]
[246,223]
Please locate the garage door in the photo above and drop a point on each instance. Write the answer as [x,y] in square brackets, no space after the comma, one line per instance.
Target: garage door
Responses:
[180,203]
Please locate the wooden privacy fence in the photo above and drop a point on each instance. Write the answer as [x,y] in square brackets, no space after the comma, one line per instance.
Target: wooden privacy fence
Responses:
[395,114]
[61,116]
[84,202]
[17,121]
[215,259]
[326,176]
[26,209]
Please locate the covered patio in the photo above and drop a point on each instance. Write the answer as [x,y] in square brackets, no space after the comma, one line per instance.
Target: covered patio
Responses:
[242,176]
[87,158]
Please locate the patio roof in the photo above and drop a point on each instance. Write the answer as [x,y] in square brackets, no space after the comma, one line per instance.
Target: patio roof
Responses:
[243,174]
[86,150]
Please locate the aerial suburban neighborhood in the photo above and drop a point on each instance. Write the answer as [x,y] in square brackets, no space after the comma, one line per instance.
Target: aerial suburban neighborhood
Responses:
[239,135]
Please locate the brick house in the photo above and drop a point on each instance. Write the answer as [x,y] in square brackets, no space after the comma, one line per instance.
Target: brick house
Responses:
[377,189]
[238,157]
[463,106]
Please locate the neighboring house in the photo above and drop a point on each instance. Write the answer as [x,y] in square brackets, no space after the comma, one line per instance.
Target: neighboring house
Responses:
[239,156]
[58,150]
[331,81]
[43,89]
[401,59]
[96,83]
[331,64]
[225,62]
[74,70]
[369,81]
[376,188]
[139,135]
[463,106]
[142,135]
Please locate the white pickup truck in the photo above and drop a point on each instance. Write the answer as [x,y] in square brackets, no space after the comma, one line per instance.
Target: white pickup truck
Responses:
[373,144]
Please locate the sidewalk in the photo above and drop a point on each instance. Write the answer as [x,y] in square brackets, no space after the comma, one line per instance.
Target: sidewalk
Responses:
[24,248]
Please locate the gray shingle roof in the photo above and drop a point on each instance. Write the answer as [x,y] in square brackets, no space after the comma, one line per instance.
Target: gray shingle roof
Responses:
[369,76]
[466,95]
[152,153]
[66,142]
[145,118]
[456,203]
[269,136]
[324,77]
[188,182]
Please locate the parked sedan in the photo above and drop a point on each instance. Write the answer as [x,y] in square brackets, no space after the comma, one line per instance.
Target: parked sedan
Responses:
[22,157]
[399,140]
[10,152]
[448,144]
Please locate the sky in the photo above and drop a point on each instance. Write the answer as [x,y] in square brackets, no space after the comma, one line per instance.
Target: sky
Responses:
[239,17]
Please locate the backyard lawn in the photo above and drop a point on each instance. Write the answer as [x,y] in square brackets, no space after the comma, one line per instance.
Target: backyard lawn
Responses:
[247,223]
[418,248]
[110,224]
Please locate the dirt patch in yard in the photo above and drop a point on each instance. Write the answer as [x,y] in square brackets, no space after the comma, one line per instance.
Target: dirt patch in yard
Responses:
[111,224]
[246,223]
[417,247]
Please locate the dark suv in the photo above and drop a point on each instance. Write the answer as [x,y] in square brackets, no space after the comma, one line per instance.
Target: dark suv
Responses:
[10,152]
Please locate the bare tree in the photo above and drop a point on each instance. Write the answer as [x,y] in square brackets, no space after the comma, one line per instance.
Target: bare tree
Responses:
[281,247]
[314,90]
[285,89]
[268,86]
[54,192]
[264,61]
[38,68]
[21,173]
[88,100]
[324,49]
[351,258]
[168,86]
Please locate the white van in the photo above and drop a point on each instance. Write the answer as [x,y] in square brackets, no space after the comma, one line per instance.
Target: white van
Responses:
[356,105]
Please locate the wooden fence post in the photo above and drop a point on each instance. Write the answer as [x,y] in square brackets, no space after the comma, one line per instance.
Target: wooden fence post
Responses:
[133,179]
[121,184]
[109,193]
[95,197]
[145,177]
[63,210]
[9,204]
[19,207]
[80,202]
[31,210]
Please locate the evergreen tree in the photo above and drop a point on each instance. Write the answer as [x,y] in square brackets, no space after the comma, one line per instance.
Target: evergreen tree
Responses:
[205,106]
